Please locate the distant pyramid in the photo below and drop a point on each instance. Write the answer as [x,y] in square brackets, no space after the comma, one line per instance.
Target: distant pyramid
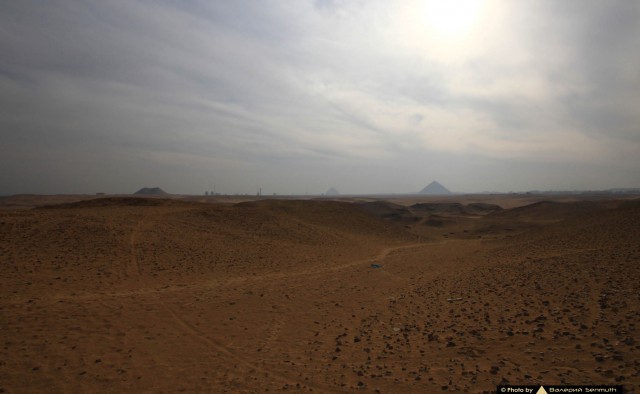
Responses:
[332,192]
[435,189]
[151,191]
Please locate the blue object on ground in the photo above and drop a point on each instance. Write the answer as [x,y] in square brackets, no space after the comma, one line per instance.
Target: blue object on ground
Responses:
[376,266]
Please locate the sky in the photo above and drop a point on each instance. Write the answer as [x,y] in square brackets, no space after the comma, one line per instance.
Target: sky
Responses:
[297,96]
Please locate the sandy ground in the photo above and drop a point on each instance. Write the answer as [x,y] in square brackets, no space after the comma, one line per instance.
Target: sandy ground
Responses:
[148,295]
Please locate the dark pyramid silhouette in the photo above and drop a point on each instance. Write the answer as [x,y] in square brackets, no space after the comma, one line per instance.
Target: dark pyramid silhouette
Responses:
[151,191]
[434,189]
[332,192]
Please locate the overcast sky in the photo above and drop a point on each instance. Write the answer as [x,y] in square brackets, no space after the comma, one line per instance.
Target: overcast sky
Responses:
[298,96]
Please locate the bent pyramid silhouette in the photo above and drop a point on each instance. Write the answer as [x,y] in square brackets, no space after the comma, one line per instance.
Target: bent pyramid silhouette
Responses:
[434,189]
[154,191]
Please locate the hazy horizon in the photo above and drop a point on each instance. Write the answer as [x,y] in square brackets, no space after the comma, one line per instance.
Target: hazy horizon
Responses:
[267,193]
[297,97]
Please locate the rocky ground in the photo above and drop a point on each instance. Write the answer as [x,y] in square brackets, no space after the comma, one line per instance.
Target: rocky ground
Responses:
[152,295]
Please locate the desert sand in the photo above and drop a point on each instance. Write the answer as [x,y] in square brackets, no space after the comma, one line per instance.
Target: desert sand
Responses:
[398,296]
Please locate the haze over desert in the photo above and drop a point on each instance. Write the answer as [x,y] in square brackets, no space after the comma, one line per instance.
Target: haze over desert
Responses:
[141,294]
[326,196]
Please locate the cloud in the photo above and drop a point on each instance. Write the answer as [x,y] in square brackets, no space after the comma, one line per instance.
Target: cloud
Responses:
[294,94]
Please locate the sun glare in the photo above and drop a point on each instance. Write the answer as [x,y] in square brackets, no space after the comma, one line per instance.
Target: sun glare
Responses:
[451,17]
[445,28]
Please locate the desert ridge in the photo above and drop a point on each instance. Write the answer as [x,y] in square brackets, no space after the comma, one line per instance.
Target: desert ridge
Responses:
[125,294]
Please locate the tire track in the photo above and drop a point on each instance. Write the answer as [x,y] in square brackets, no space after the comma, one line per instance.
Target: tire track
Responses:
[192,331]
[11,242]
[273,333]
[132,269]
[209,284]
[319,271]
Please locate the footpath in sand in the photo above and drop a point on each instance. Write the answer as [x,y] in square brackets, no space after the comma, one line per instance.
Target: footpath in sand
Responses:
[142,295]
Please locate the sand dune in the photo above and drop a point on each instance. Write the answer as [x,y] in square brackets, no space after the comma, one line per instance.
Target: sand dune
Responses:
[153,295]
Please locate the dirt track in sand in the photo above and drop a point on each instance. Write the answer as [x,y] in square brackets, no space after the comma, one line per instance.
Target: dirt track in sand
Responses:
[123,295]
